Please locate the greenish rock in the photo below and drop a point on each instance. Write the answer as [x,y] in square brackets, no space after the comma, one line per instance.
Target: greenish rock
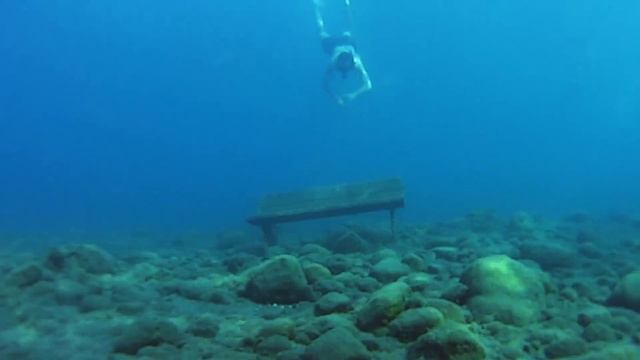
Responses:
[566,347]
[332,302]
[347,242]
[88,258]
[281,326]
[389,269]
[505,309]
[549,255]
[503,289]
[238,262]
[383,306]
[412,323]
[93,302]
[367,284]
[627,292]
[599,332]
[449,341]
[205,326]
[280,280]
[147,332]
[415,262]
[614,351]
[198,290]
[501,275]
[25,275]
[316,272]
[273,345]
[292,354]
[337,344]
[315,327]
[69,292]
[522,225]
[451,311]
[418,281]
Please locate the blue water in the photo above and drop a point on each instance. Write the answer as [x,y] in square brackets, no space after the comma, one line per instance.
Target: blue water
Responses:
[180,115]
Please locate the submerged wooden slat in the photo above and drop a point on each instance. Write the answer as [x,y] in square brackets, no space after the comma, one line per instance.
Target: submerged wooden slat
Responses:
[330,201]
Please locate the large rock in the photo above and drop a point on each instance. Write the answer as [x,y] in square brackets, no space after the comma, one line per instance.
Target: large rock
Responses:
[88,258]
[280,280]
[627,292]
[337,344]
[503,289]
[549,255]
[383,306]
[566,347]
[389,269]
[25,275]
[501,275]
[450,341]
[205,326]
[346,243]
[412,323]
[147,332]
[332,302]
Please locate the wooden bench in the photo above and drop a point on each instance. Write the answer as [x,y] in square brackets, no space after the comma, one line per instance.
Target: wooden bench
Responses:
[328,201]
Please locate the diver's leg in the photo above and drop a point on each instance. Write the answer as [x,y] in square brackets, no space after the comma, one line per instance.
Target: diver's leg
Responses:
[318,4]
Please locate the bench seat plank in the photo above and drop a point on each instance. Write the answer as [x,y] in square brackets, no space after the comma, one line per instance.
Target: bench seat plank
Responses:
[329,201]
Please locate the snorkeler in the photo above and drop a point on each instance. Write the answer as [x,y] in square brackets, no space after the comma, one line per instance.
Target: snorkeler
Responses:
[344,59]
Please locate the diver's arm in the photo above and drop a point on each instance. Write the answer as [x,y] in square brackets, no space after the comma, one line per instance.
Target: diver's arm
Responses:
[319,20]
[366,81]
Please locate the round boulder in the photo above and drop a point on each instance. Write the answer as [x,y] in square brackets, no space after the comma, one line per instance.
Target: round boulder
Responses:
[383,306]
[337,344]
[447,341]
[280,280]
[627,292]
[412,323]
[389,269]
[503,289]
[331,303]
[501,275]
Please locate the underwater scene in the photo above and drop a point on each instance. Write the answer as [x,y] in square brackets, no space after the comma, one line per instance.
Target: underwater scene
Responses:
[320,180]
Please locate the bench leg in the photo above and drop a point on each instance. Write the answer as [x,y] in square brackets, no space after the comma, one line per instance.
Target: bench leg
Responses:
[269,234]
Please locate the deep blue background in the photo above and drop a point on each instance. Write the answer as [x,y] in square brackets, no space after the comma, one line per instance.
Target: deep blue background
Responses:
[168,114]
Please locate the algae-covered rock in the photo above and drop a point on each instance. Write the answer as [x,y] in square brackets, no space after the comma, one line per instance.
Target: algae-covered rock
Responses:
[599,332]
[501,275]
[205,326]
[89,258]
[389,269]
[566,347]
[500,288]
[383,306]
[412,323]
[614,351]
[337,344]
[273,345]
[346,243]
[280,280]
[451,311]
[505,309]
[316,272]
[549,255]
[627,292]
[147,332]
[25,275]
[314,328]
[331,303]
[450,341]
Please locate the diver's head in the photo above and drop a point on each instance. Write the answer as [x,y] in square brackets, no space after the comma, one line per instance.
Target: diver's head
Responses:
[345,62]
